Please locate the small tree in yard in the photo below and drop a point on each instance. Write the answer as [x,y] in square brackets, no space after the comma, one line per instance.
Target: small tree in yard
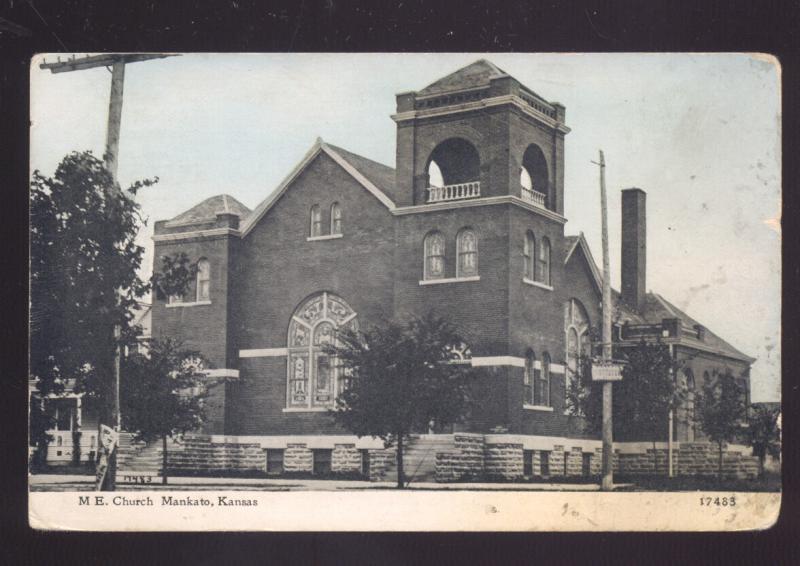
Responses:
[399,378]
[162,393]
[720,411]
[642,400]
[764,434]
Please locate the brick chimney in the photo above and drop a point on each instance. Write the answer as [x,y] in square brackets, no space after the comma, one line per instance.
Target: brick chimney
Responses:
[634,247]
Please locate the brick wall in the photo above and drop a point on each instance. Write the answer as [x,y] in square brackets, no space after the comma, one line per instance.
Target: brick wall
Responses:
[276,269]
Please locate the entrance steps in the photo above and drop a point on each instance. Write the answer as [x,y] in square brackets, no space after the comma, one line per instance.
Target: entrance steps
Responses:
[419,457]
[142,457]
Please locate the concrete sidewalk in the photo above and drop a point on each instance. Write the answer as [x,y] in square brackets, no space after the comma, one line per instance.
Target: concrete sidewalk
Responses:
[55,482]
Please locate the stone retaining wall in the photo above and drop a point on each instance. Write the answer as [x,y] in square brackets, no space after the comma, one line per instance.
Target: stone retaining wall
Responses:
[345,458]
[506,461]
[199,455]
[465,460]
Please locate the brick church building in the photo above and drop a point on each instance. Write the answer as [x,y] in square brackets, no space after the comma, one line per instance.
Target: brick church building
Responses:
[469,223]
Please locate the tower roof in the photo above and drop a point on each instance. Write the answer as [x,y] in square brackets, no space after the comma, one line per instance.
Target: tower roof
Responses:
[207,210]
[474,75]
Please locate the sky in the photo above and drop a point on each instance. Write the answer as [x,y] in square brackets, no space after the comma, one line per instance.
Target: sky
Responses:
[700,133]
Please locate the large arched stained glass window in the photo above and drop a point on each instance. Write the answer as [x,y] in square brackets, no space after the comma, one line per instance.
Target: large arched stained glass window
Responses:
[313,379]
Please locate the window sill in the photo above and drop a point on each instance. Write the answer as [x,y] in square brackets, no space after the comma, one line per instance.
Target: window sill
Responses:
[538,408]
[450,280]
[326,237]
[192,304]
[537,284]
[306,409]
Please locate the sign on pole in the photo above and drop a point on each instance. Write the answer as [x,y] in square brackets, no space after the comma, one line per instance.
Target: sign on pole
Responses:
[606,370]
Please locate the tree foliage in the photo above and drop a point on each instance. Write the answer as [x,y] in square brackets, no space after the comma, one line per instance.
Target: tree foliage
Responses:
[720,411]
[642,400]
[764,433]
[162,393]
[84,263]
[399,378]
[173,279]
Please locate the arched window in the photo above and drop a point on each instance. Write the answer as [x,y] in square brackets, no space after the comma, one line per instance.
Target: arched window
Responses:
[576,327]
[313,379]
[316,222]
[529,378]
[434,256]
[529,255]
[543,389]
[467,247]
[203,280]
[544,262]
[336,218]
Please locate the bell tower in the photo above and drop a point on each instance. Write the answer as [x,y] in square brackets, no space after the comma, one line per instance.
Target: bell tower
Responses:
[478,133]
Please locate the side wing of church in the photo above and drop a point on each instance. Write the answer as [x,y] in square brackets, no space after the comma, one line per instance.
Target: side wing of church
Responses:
[469,223]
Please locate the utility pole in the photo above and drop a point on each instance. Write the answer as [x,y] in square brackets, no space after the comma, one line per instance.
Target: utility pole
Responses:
[115,63]
[608,428]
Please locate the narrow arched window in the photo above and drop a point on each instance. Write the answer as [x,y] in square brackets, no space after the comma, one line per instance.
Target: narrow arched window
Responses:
[544,262]
[336,218]
[434,256]
[543,397]
[467,247]
[529,378]
[316,221]
[203,280]
[528,253]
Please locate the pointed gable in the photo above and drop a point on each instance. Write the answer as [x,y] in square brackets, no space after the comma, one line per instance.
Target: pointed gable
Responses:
[363,170]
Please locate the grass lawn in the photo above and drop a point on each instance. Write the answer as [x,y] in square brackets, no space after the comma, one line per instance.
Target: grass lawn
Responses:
[770,482]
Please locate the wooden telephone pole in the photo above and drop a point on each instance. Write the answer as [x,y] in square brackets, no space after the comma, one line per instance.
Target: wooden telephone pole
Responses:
[115,63]
[608,428]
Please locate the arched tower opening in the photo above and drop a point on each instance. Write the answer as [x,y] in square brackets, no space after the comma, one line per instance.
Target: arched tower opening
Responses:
[534,177]
[453,171]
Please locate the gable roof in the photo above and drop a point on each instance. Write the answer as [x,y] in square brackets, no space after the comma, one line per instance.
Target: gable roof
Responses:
[382,176]
[474,75]
[572,243]
[655,309]
[360,168]
[207,211]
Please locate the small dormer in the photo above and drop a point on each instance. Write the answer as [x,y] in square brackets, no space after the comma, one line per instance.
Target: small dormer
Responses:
[476,133]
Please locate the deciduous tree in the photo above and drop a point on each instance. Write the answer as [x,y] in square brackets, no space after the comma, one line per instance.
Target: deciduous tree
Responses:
[162,393]
[84,264]
[720,411]
[400,376]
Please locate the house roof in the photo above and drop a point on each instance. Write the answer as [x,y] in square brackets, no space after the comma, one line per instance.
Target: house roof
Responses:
[655,309]
[207,211]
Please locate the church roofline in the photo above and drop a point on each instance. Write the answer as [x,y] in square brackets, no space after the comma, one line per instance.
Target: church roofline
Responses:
[319,147]
[597,277]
